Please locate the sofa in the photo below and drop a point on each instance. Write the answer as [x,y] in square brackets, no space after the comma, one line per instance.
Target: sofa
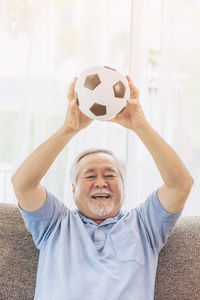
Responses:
[178,271]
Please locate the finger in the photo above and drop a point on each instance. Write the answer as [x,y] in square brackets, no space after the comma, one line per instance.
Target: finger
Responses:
[128,77]
[132,102]
[70,92]
[71,89]
[73,105]
[133,90]
[111,120]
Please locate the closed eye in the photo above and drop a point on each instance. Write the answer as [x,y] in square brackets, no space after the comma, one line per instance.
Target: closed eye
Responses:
[105,176]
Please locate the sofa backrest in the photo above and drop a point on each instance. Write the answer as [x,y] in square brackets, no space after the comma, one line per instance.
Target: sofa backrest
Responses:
[178,272]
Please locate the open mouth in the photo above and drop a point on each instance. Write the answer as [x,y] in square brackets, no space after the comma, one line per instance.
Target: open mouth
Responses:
[101,197]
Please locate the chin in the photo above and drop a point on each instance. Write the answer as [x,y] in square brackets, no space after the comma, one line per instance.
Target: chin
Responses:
[101,209]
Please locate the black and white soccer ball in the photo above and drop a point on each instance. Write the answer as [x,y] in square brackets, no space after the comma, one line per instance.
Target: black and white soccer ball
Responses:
[102,92]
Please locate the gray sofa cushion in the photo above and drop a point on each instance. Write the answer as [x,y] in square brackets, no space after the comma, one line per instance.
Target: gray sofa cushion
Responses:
[178,272]
[19,256]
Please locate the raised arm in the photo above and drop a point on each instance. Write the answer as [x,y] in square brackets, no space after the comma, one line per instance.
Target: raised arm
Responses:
[30,193]
[177,180]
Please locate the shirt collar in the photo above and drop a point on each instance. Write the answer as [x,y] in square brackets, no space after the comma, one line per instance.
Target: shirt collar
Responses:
[106,221]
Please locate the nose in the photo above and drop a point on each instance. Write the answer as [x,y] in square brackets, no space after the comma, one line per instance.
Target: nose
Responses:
[100,182]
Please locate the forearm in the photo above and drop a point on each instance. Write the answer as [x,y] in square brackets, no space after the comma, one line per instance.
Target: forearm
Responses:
[170,166]
[35,166]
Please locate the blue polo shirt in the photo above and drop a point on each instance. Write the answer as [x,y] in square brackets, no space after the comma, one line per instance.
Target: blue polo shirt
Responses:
[82,260]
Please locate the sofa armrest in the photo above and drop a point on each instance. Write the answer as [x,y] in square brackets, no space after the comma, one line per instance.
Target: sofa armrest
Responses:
[178,270]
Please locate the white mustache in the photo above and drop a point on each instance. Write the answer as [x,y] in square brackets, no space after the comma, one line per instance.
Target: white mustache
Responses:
[102,191]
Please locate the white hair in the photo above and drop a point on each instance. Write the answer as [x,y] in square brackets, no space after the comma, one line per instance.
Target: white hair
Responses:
[75,168]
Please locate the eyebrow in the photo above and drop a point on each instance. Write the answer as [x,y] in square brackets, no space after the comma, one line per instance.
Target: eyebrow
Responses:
[106,169]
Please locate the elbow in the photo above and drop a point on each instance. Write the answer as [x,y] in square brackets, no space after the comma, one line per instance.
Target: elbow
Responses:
[13,179]
[15,182]
[185,192]
[189,184]
[20,183]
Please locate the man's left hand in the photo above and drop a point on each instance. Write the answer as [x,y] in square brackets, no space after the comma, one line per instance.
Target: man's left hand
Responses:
[132,116]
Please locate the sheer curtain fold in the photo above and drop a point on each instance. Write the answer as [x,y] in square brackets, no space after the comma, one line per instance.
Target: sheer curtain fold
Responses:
[47,43]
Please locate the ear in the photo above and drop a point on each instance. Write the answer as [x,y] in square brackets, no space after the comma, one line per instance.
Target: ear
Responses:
[123,185]
[73,188]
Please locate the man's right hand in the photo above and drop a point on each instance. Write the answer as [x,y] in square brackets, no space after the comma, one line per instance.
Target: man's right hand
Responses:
[75,120]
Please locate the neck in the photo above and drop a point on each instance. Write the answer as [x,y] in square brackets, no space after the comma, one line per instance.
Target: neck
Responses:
[98,221]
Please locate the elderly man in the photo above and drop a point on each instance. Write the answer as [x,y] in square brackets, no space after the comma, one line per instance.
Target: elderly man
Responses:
[99,251]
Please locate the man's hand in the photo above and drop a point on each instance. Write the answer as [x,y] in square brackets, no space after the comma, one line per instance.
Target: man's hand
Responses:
[132,116]
[75,120]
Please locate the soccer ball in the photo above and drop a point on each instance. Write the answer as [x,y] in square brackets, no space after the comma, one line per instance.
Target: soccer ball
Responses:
[102,92]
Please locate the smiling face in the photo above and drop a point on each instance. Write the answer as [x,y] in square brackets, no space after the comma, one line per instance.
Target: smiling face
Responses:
[98,176]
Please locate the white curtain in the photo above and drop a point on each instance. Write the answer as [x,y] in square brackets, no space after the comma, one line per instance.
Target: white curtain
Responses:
[44,44]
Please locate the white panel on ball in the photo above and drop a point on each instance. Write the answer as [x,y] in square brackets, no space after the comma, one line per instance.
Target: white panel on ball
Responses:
[102,92]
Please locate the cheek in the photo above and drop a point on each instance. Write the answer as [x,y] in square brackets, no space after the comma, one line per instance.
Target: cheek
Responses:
[120,188]
[119,185]
[81,190]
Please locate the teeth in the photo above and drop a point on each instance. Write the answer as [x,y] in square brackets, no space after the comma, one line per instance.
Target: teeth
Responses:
[100,194]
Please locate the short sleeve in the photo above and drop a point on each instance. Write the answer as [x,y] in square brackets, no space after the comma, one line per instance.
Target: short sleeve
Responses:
[157,221]
[42,222]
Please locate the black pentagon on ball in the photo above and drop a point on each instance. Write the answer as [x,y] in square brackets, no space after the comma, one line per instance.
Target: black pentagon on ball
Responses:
[98,109]
[92,81]
[119,89]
